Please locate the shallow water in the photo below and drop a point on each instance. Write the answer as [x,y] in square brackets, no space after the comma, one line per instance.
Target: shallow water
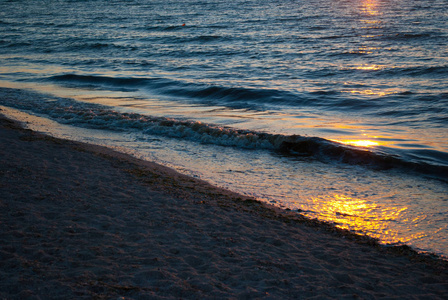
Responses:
[337,109]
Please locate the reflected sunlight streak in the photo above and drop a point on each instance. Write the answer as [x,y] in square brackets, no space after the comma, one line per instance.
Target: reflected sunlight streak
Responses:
[369,67]
[360,215]
[371,93]
[358,143]
[370,7]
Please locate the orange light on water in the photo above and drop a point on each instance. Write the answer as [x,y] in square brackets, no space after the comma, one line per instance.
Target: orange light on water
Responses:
[370,7]
[341,205]
[371,93]
[361,215]
[358,143]
[369,67]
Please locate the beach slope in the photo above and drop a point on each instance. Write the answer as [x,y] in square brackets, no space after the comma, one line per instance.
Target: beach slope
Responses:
[80,221]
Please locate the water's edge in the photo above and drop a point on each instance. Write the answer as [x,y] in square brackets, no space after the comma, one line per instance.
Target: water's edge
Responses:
[285,215]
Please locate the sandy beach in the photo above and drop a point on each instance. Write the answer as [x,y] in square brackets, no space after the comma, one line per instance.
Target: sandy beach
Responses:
[84,222]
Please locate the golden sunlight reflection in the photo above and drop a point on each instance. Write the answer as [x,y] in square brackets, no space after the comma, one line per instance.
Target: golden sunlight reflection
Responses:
[369,67]
[360,215]
[371,92]
[358,143]
[370,7]
[371,22]
[364,49]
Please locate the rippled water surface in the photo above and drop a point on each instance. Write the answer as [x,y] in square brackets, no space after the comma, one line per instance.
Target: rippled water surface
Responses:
[337,109]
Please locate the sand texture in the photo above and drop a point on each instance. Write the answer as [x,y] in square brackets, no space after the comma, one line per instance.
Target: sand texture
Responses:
[82,222]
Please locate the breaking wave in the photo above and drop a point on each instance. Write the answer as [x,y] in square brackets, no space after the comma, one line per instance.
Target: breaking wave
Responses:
[88,115]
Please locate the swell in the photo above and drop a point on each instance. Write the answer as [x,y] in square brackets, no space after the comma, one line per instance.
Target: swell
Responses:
[239,97]
[436,71]
[256,99]
[417,71]
[88,115]
[405,36]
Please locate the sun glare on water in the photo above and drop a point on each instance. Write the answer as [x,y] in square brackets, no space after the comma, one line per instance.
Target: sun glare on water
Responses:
[358,143]
[359,214]
[370,7]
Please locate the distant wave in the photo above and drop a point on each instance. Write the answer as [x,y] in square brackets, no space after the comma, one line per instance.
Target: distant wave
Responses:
[69,111]
[204,93]
[417,71]
[260,99]
[235,97]
[410,35]
[413,71]
[86,45]
[206,39]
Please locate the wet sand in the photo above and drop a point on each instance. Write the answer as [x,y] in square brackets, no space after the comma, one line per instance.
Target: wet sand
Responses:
[80,221]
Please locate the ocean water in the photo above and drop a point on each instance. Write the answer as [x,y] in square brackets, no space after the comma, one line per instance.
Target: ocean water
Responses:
[335,109]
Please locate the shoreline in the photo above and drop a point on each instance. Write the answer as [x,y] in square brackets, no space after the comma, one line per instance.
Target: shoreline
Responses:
[86,221]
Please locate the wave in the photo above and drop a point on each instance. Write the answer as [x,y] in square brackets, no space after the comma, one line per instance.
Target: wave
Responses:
[417,71]
[189,38]
[206,39]
[412,71]
[236,97]
[88,115]
[19,45]
[80,46]
[410,35]
[261,99]
[162,27]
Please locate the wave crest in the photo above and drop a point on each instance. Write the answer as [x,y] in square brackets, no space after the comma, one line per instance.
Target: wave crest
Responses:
[69,111]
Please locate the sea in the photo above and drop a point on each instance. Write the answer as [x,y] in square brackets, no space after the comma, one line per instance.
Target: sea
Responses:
[335,110]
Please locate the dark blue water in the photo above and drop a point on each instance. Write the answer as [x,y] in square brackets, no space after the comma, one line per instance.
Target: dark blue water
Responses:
[356,82]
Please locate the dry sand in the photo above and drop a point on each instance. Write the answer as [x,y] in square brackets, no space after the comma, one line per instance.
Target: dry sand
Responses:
[80,221]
